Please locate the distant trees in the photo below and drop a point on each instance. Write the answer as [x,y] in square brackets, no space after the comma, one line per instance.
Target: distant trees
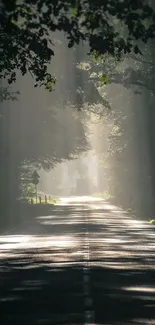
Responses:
[129,160]
[36,132]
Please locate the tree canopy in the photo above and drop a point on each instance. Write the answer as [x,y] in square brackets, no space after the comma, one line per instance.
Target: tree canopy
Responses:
[116,27]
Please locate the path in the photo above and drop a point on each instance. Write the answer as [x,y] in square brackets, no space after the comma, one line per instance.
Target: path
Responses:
[85,262]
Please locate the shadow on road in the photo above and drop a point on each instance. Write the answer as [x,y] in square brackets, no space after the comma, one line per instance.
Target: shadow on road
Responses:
[40,294]
[123,296]
[41,268]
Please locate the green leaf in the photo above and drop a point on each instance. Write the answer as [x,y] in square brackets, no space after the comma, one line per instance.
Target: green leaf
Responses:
[103,79]
[49,86]
[74,12]
[13,21]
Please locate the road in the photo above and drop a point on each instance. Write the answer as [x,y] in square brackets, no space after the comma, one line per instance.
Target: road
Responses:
[84,262]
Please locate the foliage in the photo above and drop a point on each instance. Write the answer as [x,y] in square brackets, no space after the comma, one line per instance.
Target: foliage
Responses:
[5,94]
[27,189]
[133,71]
[27,27]
[140,73]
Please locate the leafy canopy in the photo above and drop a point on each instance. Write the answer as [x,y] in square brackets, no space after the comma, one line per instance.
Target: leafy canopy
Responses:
[115,27]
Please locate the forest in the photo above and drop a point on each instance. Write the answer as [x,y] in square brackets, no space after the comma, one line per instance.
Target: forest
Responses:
[69,65]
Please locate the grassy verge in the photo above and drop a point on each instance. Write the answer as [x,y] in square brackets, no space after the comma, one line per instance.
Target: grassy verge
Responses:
[41,200]
[104,195]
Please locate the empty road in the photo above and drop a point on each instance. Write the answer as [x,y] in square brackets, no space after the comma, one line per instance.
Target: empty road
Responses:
[82,262]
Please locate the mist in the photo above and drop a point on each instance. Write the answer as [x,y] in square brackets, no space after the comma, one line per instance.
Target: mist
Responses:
[83,138]
[77,154]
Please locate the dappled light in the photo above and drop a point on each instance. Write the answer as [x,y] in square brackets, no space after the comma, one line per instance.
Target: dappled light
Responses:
[77,162]
[50,264]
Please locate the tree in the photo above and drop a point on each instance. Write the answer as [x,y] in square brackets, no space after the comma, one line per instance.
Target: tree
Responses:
[35,131]
[113,26]
[130,130]
[5,94]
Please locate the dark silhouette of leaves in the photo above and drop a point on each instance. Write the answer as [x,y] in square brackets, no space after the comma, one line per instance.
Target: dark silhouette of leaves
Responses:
[110,26]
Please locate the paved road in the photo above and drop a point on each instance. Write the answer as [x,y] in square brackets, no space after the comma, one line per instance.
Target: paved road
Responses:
[84,262]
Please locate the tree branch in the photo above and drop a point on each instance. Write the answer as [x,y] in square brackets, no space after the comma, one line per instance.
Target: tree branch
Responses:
[142,61]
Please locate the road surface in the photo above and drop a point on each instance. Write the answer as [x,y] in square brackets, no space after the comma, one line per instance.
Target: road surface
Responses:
[84,262]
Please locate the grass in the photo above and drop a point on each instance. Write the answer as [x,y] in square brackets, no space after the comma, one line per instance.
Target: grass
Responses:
[105,195]
[50,200]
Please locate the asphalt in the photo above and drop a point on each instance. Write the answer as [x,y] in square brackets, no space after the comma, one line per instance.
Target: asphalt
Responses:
[82,262]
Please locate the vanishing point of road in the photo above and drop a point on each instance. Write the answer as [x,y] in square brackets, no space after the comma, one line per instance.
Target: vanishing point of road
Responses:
[82,262]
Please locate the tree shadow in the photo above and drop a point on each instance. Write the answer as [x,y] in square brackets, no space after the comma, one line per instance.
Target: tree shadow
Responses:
[41,295]
[123,296]
[42,278]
